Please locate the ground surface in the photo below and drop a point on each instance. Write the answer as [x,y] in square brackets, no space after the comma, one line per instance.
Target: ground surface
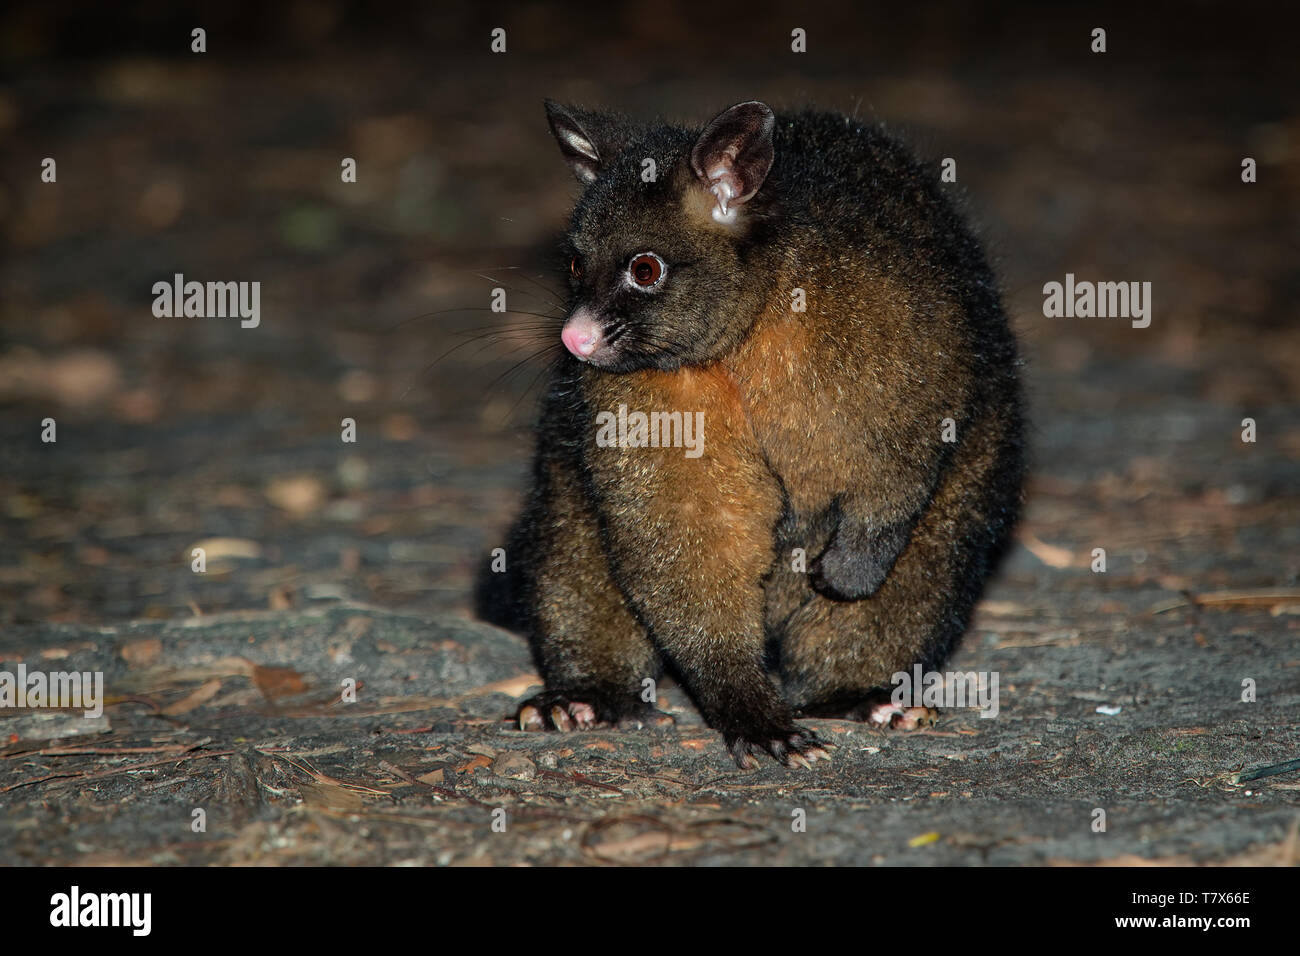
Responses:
[326,565]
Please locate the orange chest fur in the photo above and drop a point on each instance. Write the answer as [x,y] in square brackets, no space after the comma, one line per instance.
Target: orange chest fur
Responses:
[768,400]
[756,395]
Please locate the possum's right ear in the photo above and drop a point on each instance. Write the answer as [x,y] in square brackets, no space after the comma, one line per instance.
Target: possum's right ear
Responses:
[733,155]
[576,143]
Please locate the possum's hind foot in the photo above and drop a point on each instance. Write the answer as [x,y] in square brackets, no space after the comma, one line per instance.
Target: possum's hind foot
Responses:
[896,717]
[553,710]
[794,747]
[877,710]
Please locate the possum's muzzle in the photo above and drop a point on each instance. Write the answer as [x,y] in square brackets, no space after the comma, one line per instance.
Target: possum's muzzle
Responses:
[584,336]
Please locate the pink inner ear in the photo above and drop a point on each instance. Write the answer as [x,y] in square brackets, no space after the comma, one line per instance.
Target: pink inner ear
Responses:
[724,185]
[733,155]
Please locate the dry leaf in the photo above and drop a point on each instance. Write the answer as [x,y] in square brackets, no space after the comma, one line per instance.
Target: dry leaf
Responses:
[511,686]
[217,549]
[277,682]
[297,494]
[1049,554]
[471,765]
[205,692]
[646,846]
[141,653]
[329,795]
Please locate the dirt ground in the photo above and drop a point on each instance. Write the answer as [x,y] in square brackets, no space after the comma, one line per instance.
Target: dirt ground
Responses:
[333,565]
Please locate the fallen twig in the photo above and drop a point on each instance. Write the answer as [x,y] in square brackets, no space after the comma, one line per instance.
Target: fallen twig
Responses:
[116,770]
[575,777]
[1269,771]
[1268,597]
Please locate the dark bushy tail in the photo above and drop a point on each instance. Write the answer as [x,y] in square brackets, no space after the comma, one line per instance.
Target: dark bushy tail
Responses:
[499,596]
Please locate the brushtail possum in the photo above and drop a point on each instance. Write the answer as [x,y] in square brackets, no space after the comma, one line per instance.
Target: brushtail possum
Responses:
[798,287]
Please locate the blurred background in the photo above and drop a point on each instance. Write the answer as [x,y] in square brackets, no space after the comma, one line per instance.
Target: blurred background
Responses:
[224,165]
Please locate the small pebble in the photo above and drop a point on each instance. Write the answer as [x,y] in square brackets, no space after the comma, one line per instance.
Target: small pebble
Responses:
[514,765]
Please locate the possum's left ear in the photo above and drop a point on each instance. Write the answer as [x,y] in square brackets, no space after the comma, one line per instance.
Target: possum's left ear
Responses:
[733,155]
[578,133]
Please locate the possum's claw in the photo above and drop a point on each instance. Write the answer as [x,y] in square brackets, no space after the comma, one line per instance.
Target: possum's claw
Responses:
[795,747]
[560,718]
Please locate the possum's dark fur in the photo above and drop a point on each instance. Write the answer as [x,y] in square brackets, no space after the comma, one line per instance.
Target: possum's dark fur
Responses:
[823,429]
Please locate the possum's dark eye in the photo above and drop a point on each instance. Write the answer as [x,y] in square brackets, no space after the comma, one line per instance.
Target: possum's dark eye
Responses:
[646,270]
[575,268]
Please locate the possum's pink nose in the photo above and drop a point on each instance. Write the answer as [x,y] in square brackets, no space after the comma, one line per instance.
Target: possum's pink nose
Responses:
[582,334]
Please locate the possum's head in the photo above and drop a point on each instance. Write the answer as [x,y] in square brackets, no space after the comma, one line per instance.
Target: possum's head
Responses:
[666,247]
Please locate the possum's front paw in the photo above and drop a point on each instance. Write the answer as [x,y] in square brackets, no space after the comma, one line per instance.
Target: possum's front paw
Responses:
[793,747]
[858,561]
[555,710]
